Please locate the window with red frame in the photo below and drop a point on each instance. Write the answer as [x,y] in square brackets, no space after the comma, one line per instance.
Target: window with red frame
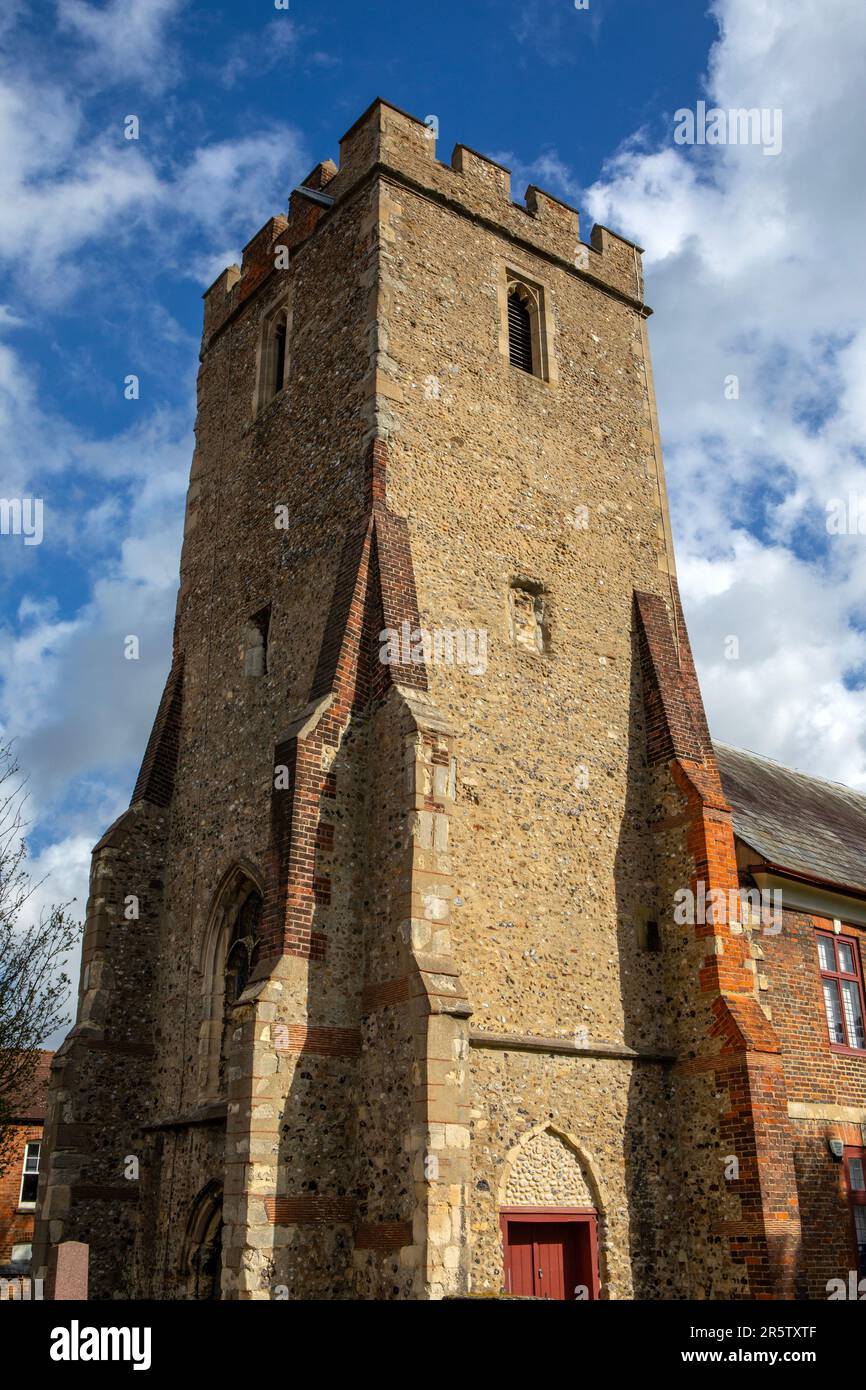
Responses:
[855,1173]
[842,986]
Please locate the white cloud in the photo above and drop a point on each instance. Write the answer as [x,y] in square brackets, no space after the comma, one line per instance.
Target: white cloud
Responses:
[60,875]
[753,269]
[260,52]
[225,185]
[122,40]
[62,191]
[77,201]
[77,708]
[65,186]
[548,172]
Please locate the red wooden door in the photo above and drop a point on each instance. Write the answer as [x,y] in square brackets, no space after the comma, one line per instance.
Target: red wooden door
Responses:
[549,1259]
[521,1245]
[556,1260]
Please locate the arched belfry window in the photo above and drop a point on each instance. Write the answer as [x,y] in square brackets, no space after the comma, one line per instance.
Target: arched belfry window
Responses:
[228,955]
[279,354]
[527,342]
[274,353]
[519,330]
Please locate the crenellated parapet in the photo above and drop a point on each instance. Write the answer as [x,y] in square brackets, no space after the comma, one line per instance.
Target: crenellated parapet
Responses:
[404,147]
[261,254]
[401,149]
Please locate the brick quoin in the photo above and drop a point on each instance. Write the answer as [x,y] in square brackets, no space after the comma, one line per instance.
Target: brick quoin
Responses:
[741,1042]
[374,590]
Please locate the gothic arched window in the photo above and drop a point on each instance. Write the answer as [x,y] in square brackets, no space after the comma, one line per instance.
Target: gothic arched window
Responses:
[527,342]
[201,1252]
[274,353]
[228,955]
[242,947]
[519,331]
[243,939]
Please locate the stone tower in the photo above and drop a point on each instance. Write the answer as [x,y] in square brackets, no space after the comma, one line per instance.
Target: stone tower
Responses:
[380,967]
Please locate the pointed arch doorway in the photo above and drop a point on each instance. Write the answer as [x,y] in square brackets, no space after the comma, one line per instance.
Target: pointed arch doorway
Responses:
[550,1207]
[202,1257]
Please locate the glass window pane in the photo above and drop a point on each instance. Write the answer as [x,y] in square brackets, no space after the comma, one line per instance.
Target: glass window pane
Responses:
[28,1188]
[853,1013]
[834,1012]
[827,954]
[846,957]
[856,1179]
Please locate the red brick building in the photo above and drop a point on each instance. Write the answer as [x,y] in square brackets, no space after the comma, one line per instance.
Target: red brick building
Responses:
[802,839]
[19,1181]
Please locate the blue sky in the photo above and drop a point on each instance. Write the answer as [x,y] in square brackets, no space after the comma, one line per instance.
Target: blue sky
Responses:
[753,269]
[524,81]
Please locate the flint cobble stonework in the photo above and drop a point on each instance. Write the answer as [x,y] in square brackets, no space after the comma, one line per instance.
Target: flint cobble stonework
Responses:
[546,1173]
[456,1002]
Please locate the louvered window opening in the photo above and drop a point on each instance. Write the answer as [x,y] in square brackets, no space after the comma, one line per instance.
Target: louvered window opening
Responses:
[519,334]
[279,358]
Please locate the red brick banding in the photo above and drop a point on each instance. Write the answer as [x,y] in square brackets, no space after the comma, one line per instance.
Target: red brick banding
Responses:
[322,1042]
[387,992]
[310,1209]
[385,1236]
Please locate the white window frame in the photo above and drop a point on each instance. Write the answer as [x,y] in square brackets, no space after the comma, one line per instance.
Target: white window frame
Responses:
[28,1172]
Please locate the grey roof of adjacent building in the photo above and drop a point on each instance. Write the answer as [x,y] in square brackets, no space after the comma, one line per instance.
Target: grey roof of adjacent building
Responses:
[806,825]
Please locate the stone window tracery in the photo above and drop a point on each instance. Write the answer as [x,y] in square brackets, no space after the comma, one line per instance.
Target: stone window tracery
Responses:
[527,342]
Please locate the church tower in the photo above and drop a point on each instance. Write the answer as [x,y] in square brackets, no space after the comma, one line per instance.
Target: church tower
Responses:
[382,991]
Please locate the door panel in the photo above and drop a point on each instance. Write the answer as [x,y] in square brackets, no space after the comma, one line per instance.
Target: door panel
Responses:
[549,1259]
[520,1258]
[550,1246]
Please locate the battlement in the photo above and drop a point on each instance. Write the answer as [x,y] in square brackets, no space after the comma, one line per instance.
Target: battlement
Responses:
[403,148]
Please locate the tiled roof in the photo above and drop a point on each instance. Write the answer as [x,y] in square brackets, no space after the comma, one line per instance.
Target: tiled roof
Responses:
[797,822]
[30,1104]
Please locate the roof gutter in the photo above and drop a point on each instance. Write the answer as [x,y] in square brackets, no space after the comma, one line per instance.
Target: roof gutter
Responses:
[802,892]
[845,890]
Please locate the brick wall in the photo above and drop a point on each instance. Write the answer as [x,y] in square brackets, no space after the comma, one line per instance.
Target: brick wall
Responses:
[813,1072]
[827,1083]
[16,1227]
